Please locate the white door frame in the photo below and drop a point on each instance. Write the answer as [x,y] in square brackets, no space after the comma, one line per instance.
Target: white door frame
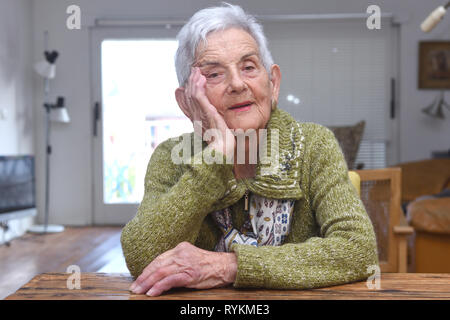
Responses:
[111,214]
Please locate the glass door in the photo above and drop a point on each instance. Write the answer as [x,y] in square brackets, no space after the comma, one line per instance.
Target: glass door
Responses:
[134,109]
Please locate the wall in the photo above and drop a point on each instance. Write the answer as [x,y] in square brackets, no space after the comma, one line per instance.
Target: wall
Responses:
[16,89]
[16,86]
[71,177]
[420,135]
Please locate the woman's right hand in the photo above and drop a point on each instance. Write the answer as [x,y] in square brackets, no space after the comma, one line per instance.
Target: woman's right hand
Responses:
[197,107]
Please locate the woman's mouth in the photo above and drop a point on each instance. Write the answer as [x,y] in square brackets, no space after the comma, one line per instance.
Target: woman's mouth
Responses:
[242,106]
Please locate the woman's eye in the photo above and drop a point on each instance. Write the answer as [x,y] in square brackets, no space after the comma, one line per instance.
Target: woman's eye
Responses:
[249,68]
[213,75]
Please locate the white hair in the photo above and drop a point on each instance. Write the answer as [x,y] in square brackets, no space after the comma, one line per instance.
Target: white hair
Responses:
[213,19]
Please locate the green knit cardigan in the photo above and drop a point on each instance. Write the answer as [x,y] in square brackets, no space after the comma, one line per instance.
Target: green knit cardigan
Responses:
[331,240]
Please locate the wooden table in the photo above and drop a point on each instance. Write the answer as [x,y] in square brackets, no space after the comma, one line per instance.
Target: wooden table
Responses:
[95,286]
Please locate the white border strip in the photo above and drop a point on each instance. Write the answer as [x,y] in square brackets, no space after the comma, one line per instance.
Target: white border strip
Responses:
[109,22]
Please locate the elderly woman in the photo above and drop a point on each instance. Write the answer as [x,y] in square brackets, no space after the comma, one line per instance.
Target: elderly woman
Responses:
[299,224]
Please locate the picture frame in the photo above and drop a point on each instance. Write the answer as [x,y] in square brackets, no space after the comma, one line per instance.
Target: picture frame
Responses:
[434,65]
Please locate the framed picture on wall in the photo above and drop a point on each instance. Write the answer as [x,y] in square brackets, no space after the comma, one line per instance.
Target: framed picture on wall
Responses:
[434,65]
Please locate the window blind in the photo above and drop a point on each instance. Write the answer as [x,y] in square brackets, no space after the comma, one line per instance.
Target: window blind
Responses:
[337,73]
[372,154]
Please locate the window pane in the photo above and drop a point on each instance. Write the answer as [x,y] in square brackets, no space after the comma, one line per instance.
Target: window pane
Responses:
[139,112]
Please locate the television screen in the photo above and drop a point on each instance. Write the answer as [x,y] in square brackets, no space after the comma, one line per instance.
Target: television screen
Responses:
[17,191]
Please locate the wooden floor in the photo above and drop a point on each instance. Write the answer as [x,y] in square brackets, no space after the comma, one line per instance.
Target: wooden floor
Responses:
[93,249]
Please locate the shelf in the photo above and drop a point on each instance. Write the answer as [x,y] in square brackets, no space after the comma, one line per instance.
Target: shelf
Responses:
[17,214]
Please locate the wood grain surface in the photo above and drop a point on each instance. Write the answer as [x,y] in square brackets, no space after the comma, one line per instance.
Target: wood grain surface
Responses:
[95,286]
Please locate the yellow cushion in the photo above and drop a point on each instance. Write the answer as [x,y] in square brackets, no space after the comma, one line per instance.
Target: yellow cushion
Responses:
[356,181]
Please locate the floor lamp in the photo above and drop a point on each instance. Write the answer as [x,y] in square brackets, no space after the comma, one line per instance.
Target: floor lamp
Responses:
[55,112]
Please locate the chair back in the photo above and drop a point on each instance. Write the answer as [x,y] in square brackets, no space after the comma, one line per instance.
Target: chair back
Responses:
[381,195]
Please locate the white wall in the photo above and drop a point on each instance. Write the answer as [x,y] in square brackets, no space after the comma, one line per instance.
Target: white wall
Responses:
[16,86]
[71,180]
[16,90]
[419,134]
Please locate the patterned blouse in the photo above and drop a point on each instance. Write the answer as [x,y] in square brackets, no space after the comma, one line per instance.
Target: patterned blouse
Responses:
[267,223]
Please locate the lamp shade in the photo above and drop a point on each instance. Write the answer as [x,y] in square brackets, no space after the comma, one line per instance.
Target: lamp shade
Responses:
[433,19]
[45,69]
[60,115]
[59,112]
[434,112]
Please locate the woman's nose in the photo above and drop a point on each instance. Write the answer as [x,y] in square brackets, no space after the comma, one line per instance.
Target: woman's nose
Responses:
[236,83]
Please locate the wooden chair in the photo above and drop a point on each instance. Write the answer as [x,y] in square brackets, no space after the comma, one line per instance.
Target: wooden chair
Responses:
[380,191]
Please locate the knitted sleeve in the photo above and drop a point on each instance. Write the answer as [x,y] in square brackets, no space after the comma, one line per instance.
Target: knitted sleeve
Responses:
[345,246]
[173,207]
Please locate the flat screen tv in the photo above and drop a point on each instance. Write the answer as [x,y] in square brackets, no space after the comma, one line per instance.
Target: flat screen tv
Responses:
[17,183]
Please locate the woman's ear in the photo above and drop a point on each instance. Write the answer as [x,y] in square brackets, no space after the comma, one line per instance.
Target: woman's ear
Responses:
[275,80]
[181,100]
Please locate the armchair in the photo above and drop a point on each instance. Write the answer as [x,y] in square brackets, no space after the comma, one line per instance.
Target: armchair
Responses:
[429,215]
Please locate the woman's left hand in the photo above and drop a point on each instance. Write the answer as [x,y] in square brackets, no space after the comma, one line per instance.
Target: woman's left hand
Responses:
[186,266]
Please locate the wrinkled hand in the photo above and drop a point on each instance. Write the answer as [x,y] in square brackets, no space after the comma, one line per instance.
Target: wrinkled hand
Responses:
[197,107]
[186,266]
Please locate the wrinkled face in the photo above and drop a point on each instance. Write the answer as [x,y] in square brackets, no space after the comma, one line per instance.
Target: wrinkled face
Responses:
[237,83]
